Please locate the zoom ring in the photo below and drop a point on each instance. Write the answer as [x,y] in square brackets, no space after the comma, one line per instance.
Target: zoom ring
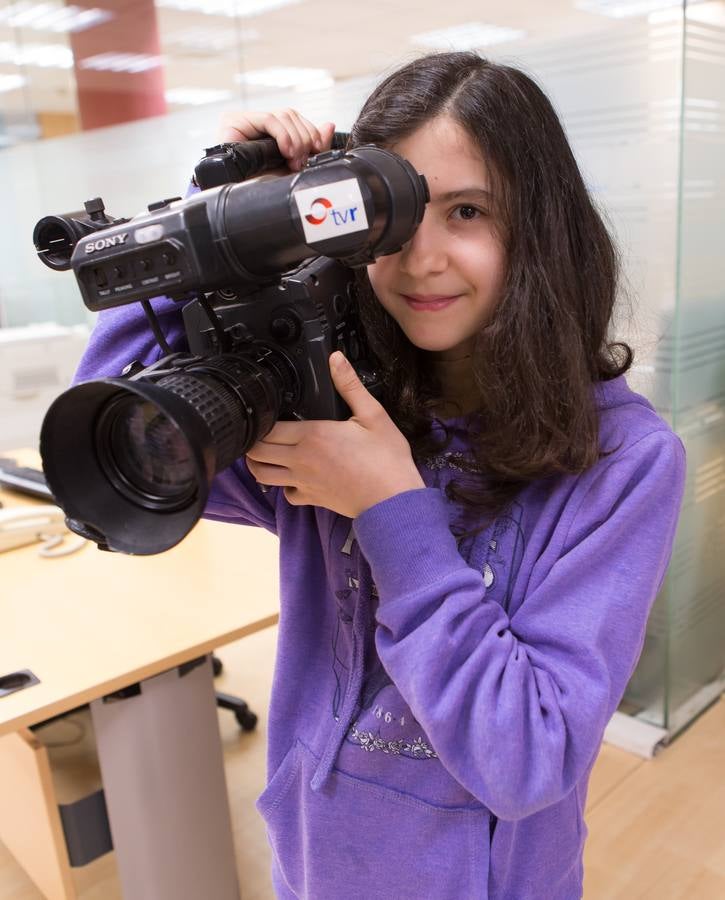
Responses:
[219,409]
[257,386]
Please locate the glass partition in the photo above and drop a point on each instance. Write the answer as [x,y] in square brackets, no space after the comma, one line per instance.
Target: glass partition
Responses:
[693,614]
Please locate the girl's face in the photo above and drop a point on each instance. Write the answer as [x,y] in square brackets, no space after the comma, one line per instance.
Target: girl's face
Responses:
[444,284]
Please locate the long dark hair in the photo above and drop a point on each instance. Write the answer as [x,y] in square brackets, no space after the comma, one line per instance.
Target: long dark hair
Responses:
[536,360]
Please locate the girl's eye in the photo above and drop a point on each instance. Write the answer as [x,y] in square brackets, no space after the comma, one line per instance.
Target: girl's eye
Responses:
[467,213]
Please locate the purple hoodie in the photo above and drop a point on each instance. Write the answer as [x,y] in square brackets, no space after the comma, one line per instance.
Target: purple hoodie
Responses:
[438,704]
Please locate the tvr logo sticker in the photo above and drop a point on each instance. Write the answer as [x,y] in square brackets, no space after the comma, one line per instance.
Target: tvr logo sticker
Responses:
[323,207]
[339,210]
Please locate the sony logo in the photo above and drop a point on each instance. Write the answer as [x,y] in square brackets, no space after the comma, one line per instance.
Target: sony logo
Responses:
[103,243]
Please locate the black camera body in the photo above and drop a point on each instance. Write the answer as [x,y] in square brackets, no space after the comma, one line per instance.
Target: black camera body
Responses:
[265,272]
[309,314]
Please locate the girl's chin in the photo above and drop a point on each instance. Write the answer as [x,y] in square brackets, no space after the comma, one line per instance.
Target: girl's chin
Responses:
[435,346]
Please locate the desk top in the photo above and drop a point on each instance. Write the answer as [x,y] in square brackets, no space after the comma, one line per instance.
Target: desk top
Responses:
[94,622]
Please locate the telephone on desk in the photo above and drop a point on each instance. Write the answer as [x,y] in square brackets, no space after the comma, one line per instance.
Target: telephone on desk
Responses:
[27,524]
[21,525]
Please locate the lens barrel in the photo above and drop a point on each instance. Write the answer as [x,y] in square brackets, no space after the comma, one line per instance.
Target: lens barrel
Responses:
[55,237]
[260,228]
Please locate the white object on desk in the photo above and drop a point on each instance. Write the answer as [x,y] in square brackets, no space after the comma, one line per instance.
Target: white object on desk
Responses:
[23,525]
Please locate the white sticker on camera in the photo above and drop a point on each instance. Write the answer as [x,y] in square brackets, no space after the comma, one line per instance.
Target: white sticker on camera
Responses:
[331,210]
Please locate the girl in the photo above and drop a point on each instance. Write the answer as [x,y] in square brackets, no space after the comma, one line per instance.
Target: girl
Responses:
[466,568]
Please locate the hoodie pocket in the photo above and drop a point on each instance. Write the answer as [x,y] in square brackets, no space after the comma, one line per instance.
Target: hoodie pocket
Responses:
[356,839]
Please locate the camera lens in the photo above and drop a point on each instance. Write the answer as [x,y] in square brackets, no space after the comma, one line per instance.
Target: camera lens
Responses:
[135,469]
[144,453]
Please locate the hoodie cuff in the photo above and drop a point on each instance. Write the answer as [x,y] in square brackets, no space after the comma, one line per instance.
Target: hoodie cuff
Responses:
[407,542]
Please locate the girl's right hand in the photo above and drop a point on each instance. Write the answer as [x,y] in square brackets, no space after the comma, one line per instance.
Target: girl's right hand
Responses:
[297,138]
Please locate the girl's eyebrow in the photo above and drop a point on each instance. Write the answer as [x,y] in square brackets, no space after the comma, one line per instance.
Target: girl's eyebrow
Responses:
[468,192]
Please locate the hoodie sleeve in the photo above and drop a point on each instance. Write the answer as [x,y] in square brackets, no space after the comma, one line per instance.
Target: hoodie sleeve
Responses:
[516,707]
[122,335]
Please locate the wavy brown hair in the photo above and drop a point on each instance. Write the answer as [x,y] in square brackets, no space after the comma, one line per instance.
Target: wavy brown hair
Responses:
[546,343]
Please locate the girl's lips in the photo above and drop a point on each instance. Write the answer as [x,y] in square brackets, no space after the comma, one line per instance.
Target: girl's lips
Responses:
[429,304]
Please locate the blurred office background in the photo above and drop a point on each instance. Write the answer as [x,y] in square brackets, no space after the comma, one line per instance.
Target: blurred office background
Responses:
[119,98]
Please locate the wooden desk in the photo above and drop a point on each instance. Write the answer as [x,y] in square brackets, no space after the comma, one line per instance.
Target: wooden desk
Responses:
[92,623]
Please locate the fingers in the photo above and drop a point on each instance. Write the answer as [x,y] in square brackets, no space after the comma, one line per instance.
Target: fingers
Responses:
[297,137]
[271,476]
[327,131]
[288,433]
[272,454]
[294,496]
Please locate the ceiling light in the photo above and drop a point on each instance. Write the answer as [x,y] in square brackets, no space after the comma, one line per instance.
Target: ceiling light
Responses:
[192,96]
[232,8]
[621,9]
[10,83]
[215,39]
[287,77]
[467,36]
[121,62]
[52,16]
[47,56]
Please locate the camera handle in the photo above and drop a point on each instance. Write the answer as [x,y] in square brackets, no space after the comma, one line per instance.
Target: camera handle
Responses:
[238,161]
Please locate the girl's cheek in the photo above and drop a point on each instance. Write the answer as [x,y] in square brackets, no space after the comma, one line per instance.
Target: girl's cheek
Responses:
[372,271]
[379,273]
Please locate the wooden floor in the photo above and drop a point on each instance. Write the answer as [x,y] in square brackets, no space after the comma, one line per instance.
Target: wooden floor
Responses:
[656,828]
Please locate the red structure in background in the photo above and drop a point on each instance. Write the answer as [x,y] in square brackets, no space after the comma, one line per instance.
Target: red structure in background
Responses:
[106,97]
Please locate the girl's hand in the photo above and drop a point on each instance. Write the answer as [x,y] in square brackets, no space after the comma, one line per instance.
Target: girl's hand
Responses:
[344,466]
[296,136]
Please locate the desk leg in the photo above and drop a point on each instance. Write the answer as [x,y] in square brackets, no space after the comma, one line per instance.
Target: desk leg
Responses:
[30,825]
[162,765]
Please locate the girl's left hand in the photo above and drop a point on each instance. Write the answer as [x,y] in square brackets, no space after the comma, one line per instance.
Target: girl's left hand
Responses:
[344,466]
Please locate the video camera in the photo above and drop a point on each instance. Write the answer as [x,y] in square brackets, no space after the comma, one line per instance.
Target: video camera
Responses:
[264,270]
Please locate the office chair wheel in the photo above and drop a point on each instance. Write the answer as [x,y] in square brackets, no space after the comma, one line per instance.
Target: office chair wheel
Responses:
[247,720]
[217,665]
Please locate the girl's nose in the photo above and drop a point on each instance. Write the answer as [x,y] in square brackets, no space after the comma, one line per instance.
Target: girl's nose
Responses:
[425,253]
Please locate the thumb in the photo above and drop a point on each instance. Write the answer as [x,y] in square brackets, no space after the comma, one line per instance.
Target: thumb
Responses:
[351,389]
[327,131]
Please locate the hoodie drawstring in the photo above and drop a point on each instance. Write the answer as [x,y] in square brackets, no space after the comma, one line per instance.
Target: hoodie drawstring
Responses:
[354,686]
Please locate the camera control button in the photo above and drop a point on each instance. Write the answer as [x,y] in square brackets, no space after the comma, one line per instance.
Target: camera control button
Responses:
[285,329]
[148,234]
